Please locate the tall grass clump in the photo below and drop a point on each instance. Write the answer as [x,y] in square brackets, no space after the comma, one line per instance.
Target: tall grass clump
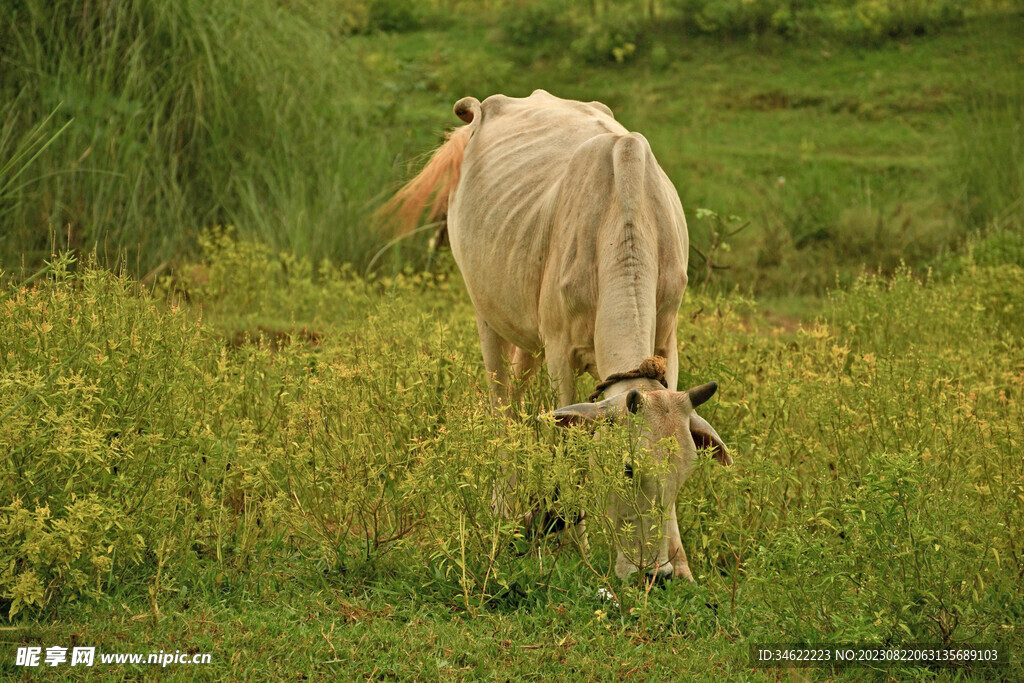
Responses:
[21,154]
[988,178]
[184,115]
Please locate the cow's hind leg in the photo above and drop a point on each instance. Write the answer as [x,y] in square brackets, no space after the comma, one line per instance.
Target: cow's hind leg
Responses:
[496,353]
[524,367]
[559,361]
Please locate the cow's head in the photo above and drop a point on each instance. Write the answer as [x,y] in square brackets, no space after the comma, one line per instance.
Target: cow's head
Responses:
[646,527]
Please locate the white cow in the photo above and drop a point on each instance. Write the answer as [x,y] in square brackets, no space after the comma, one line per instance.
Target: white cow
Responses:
[572,243]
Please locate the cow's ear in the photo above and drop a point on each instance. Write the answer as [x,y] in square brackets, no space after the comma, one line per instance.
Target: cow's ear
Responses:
[602,107]
[634,401]
[577,413]
[705,437]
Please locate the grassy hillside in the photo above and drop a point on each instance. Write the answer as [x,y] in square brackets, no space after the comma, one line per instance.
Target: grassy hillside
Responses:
[841,157]
[292,122]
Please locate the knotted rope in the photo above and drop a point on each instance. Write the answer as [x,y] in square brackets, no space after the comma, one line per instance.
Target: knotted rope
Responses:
[652,367]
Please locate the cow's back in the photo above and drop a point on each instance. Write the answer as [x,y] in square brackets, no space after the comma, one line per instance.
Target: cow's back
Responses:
[505,215]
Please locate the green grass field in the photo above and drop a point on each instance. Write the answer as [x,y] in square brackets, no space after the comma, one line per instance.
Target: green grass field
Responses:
[318,501]
[237,441]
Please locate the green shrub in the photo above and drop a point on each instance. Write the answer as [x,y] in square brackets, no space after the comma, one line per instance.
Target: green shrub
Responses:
[106,401]
[70,555]
[1002,245]
[534,23]
[394,15]
[731,16]
[610,25]
[611,36]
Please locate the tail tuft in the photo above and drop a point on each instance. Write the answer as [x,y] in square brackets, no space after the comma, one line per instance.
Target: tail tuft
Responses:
[431,187]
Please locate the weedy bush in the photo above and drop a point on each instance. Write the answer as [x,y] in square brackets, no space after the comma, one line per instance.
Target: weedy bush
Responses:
[878,492]
[881,472]
[862,22]
[243,283]
[1001,244]
[106,402]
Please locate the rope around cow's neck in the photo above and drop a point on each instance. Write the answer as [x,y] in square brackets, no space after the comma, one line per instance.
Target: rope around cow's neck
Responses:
[652,367]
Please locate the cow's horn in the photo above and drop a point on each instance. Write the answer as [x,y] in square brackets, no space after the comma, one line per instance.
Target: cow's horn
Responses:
[699,395]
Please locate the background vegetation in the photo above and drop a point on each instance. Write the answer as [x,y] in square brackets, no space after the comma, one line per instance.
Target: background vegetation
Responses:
[239,441]
[849,133]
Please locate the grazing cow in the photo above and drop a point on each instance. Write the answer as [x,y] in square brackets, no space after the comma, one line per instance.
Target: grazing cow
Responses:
[572,243]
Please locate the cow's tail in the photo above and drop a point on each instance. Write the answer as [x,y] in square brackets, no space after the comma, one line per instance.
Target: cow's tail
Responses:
[629,160]
[627,264]
[432,186]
